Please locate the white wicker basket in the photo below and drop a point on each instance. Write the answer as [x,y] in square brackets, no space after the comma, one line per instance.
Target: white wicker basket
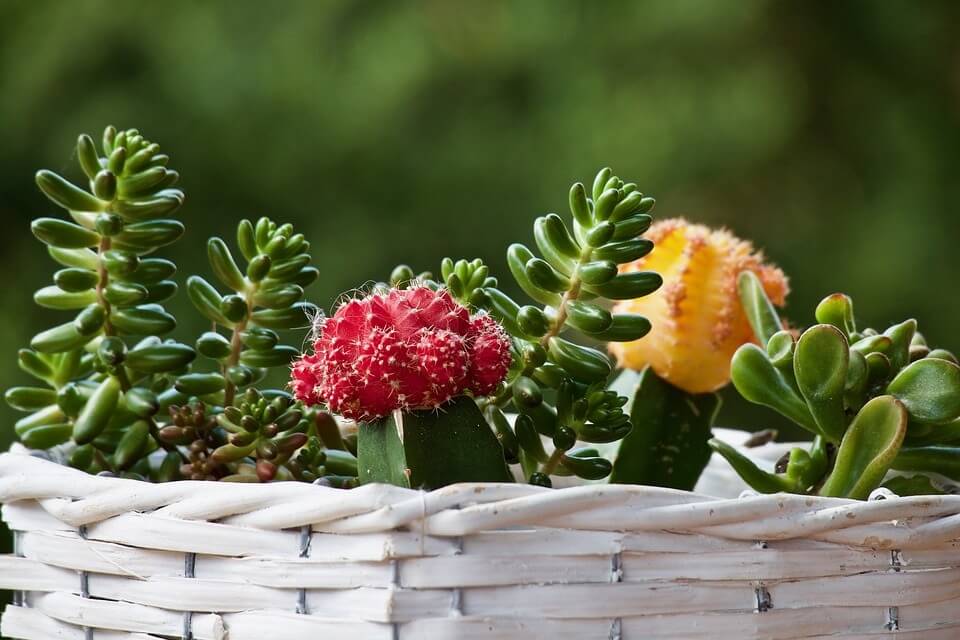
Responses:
[109,558]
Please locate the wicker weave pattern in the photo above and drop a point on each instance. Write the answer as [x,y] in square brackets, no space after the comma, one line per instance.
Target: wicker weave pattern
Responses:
[108,558]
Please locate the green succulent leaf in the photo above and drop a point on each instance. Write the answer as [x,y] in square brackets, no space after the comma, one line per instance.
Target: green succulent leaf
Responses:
[820,367]
[30,398]
[868,449]
[200,384]
[62,234]
[61,338]
[206,299]
[277,356]
[588,317]
[224,266]
[940,459]
[625,327]
[582,363]
[46,436]
[65,194]
[901,335]
[518,256]
[780,350]
[132,445]
[837,310]
[149,235]
[145,320]
[758,381]
[624,251]
[760,311]
[757,478]
[53,297]
[97,412]
[579,206]
[631,228]
[76,280]
[597,272]
[76,258]
[160,358]
[125,294]
[586,467]
[929,389]
[627,286]
[297,316]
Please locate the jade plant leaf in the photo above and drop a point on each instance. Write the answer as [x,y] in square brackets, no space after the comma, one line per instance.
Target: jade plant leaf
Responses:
[942,459]
[668,444]
[917,485]
[900,337]
[427,449]
[760,382]
[760,312]
[929,389]
[820,368]
[837,310]
[868,449]
[747,469]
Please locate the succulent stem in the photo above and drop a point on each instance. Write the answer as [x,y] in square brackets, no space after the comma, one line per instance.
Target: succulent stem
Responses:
[102,281]
[236,346]
[550,466]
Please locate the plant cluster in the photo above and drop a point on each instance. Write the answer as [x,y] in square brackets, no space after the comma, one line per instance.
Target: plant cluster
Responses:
[574,283]
[449,378]
[873,401]
[114,389]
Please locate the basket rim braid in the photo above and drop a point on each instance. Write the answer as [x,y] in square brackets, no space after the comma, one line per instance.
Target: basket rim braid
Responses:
[120,558]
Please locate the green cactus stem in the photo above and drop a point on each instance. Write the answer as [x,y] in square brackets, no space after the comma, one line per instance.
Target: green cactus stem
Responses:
[427,449]
[668,444]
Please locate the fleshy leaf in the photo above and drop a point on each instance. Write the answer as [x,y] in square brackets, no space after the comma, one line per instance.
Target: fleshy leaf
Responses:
[758,381]
[868,449]
[820,367]
[760,312]
[757,478]
[929,389]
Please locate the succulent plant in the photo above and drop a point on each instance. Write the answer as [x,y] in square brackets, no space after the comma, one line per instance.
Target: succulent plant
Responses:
[406,349]
[394,360]
[671,375]
[698,317]
[118,399]
[873,401]
[573,284]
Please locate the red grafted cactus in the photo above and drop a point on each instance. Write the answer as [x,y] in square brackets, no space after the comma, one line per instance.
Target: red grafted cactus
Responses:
[406,349]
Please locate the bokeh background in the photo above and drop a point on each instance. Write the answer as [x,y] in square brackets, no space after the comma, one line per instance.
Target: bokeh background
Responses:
[392,131]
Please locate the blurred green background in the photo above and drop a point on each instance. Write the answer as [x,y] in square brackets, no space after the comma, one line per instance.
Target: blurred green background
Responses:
[392,131]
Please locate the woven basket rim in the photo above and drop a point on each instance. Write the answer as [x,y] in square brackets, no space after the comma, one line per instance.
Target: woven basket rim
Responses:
[77,498]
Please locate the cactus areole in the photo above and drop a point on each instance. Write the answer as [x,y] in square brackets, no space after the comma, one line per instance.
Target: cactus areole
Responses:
[405,349]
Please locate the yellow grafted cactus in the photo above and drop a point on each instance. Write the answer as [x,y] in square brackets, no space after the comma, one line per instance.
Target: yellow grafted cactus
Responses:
[698,321]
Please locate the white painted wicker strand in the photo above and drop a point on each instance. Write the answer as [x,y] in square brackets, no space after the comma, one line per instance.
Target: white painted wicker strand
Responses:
[291,560]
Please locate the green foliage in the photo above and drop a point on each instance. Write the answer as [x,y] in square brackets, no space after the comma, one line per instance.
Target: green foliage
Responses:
[862,394]
[868,449]
[556,384]
[112,392]
[668,444]
[573,282]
